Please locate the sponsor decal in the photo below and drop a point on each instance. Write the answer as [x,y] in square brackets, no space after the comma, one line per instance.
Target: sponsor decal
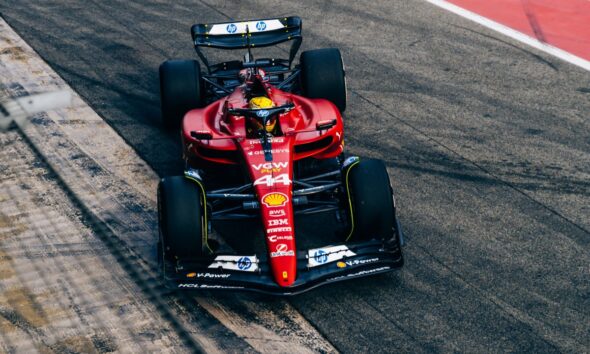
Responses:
[244,263]
[327,255]
[278,229]
[271,140]
[231,28]
[262,113]
[282,254]
[207,286]
[321,256]
[275,238]
[365,272]
[261,25]
[278,222]
[273,151]
[277,213]
[349,161]
[275,199]
[281,247]
[239,263]
[193,174]
[357,274]
[361,261]
[282,251]
[356,262]
[269,167]
[240,27]
[213,275]
[270,181]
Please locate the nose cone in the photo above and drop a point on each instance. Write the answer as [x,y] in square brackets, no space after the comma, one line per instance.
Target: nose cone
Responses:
[272,182]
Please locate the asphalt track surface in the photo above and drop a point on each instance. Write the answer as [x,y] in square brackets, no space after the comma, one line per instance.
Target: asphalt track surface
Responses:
[487,144]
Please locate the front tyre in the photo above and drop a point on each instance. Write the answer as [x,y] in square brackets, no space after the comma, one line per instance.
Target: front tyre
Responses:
[370,201]
[182,219]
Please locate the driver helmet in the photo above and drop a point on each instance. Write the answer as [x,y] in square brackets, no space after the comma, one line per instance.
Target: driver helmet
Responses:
[263,102]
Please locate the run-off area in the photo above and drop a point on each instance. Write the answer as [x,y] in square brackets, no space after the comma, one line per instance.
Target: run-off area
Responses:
[60,288]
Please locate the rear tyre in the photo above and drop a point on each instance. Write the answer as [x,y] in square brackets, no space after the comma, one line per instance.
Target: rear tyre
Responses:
[180,90]
[371,199]
[322,76]
[183,228]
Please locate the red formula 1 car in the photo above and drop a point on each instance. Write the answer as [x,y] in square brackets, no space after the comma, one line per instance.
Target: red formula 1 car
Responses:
[263,144]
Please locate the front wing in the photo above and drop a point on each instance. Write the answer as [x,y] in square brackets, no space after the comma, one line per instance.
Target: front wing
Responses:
[315,267]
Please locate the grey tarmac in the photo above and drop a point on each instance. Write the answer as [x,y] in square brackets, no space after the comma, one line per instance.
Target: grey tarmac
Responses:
[487,143]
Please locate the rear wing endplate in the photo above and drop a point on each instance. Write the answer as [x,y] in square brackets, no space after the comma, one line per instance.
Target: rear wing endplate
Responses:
[248,34]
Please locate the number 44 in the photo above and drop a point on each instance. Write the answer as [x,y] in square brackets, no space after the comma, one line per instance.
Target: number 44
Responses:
[270,181]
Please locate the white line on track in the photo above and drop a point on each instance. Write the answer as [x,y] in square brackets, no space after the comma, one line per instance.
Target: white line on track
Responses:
[507,31]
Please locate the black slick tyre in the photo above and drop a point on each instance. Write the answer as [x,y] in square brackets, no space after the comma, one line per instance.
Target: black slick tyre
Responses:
[322,76]
[370,198]
[180,90]
[182,219]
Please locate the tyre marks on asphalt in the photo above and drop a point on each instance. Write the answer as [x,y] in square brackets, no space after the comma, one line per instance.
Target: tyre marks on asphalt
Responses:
[539,292]
[67,302]
[115,185]
[463,88]
[51,144]
[496,254]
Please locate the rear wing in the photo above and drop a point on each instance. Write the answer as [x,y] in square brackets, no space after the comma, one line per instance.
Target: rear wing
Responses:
[248,34]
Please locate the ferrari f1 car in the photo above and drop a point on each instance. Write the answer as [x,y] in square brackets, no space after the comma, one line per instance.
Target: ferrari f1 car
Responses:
[263,141]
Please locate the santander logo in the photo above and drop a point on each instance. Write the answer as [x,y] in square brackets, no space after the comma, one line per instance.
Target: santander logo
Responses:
[281,247]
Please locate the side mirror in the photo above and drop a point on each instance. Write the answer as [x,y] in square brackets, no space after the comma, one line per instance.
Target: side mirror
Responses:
[325,124]
[201,135]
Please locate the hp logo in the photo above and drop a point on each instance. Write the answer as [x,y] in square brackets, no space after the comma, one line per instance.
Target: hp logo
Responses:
[261,25]
[321,256]
[244,263]
[231,28]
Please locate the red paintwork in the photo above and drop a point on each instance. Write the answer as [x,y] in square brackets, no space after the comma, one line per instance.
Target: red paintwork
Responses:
[564,24]
[230,146]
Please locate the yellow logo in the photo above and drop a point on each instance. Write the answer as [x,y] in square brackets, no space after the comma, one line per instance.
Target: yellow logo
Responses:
[341,265]
[274,199]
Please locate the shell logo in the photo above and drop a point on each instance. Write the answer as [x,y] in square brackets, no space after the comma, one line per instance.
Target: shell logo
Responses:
[273,200]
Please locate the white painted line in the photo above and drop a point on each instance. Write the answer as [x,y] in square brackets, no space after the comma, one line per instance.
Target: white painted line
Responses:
[519,36]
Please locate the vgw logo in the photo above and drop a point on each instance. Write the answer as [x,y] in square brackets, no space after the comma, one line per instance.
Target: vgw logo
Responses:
[269,167]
